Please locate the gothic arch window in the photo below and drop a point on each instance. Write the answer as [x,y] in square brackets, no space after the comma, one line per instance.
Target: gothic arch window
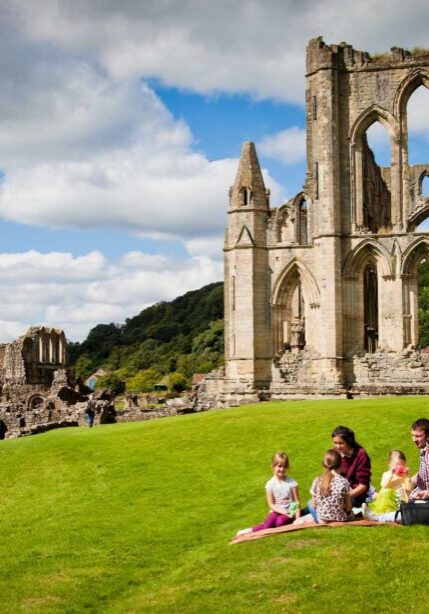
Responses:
[374,170]
[417,125]
[370,302]
[289,320]
[424,185]
[415,275]
[302,222]
[376,178]
[363,269]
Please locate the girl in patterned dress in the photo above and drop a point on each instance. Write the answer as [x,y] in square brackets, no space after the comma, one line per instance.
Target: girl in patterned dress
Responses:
[282,497]
[331,492]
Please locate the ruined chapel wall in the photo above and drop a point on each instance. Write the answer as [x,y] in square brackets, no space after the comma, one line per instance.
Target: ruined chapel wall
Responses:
[350,90]
[3,347]
[14,363]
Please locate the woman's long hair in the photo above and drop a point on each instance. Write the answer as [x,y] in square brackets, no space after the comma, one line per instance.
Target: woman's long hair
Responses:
[331,460]
[347,435]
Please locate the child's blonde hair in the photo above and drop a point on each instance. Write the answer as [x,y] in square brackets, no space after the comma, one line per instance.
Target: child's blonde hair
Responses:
[331,460]
[280,458]
[399,454]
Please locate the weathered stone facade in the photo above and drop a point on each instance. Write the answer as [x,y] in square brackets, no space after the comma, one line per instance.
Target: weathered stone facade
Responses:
[321,293]
[37,389]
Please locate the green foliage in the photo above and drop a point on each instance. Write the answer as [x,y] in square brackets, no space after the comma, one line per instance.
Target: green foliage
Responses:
[84,366]
[100,536]
[184,335]
[112,382]
[177,382]
[211,339]
[423,297]
[143,381]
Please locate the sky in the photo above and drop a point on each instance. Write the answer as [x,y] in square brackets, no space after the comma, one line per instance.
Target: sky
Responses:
[121,125]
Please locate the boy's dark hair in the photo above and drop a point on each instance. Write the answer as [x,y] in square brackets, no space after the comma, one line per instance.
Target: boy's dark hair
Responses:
[422,424]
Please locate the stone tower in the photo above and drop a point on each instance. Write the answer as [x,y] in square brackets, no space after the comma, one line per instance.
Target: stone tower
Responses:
[248,325]
[321,293]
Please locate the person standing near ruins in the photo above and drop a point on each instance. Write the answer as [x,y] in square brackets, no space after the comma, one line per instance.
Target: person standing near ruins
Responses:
[355,463]
[90,411]
[420,436]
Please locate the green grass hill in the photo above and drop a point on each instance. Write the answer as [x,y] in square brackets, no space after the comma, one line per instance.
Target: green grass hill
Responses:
[174,339]
[137,517]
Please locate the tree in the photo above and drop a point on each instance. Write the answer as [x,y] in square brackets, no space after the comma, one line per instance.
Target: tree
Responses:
[423,289]
[143,381]
[84,367]
[177,382]
[112,382]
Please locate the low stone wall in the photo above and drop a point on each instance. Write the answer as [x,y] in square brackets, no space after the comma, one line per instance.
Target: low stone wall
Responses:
[389,373]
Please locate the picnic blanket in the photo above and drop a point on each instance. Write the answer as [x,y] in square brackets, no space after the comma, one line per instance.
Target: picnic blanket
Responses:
[310,525]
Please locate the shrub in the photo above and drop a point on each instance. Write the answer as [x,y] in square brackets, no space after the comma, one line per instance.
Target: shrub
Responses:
[112,382]
[177,382]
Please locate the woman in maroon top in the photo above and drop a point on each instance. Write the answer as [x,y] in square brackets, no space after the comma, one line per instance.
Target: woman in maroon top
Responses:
[355,463]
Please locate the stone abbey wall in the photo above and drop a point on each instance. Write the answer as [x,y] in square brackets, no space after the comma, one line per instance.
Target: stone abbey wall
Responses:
[37,389]
[321,292]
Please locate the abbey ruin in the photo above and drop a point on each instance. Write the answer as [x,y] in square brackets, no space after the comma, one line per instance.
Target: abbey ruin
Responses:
[321,293]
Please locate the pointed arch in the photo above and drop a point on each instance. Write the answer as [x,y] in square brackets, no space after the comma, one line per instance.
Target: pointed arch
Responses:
[302,210]
[411,260]
[360,156]
[295,293]
[418,217]
[245,238]
[412,256]
[359,256]
[370,115]
[396,255]
[310,288]
[412,81]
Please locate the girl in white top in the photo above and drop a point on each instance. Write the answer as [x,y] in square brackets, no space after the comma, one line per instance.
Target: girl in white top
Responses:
[282,497]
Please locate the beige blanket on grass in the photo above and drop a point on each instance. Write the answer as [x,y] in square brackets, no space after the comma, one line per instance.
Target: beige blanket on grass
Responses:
[310,525]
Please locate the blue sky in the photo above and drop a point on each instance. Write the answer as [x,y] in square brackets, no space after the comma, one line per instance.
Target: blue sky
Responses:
[120,132]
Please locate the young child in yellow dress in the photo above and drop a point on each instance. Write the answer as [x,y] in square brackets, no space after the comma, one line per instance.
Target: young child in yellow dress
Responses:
[395,487]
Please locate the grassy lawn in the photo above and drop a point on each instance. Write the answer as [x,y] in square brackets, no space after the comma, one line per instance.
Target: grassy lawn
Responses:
[137,517]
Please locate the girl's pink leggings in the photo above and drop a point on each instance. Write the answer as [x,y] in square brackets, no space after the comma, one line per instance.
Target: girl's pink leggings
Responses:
[272,521]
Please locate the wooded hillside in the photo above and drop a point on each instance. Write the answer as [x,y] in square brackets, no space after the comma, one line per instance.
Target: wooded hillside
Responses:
[174,339]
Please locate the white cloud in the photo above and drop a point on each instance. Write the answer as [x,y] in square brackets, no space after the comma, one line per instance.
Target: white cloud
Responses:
[76,293]
[248,45]
[287,146]
[50,267]
[85,143]
[418,113]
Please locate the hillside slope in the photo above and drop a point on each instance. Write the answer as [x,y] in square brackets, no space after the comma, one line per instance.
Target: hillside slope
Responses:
[137,517]
[182,336]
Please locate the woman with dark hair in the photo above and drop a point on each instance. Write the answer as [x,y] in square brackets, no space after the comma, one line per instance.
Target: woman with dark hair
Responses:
[355,463]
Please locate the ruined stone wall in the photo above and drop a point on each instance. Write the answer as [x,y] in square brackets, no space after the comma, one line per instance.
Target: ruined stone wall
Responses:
[359,217]
[376,194]
[3,347]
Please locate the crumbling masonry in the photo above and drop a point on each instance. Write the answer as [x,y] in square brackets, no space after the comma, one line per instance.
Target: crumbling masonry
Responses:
[321,293]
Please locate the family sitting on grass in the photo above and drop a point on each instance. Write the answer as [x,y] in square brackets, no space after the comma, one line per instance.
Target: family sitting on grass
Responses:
[344,491]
